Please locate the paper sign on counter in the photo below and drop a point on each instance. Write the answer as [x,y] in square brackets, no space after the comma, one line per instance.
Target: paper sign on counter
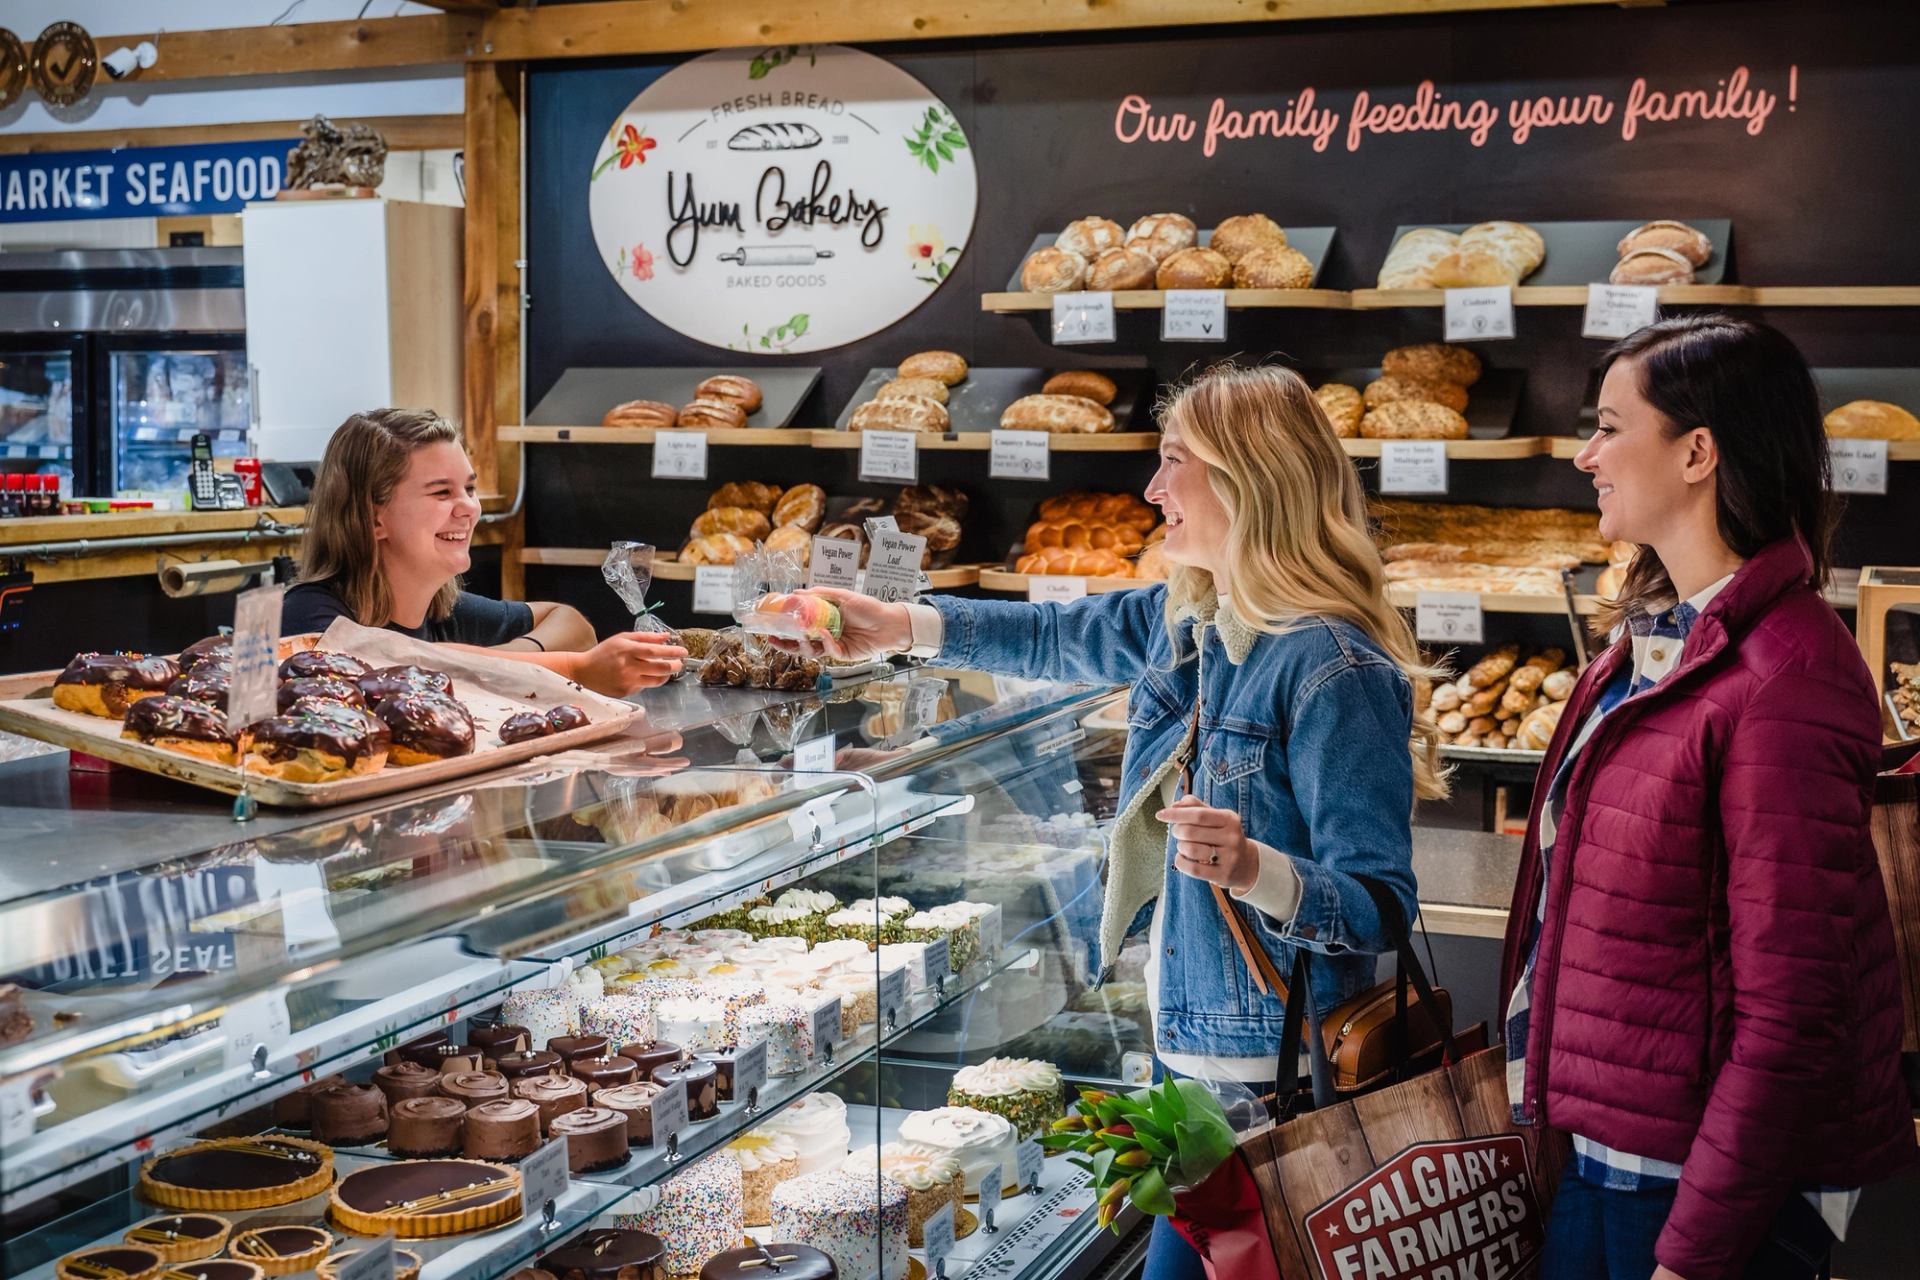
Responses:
[1082,317]
[680,455]
[713,588]
[815,755]
[893,996]
[750,1071]
[889,455]
[1616,310]
[938,1233]
[1859,466]
[893,568]
[826,1027]
[1020,455]
[993,1183]
[1450,617]
[1413,466]
[1194,315]
[938,959]
[1032,1160]
[1475,315]
[835,563]
[1042,588]
[253,691]
[669,1111]
[543,1175]
[371,1261]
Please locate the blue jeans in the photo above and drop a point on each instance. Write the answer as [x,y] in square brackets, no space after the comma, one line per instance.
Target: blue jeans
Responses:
[1594,1233]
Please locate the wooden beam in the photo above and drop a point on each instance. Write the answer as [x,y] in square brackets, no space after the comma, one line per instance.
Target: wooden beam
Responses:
[423,40]
[403,133]
[462,6]
[491,294]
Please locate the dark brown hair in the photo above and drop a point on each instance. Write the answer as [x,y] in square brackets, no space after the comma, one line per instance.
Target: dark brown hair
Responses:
[1750,387]
[363,465]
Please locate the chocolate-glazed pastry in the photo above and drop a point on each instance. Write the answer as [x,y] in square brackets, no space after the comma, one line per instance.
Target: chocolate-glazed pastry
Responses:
[293,1110]
[426,1127]
[596,1138]
[405,1080]
[212,649]
[181,1237]
[525,725]
[177,724]
[315,743]
[507,1129]
[535,1062]
[571,1047]
[405,1052]
[111,1262]
[407,1198]
[724,1062]
[703,1085]
[282,1250]
[496,1038]
[391,682]
[106,684]
[785,1260]
[326,688]
[566,717]
[654,1054]
[349,1115]
[474,1087]
[635,1102]
[604,1072]
[426,727]
[554,1095]
[206,683]
[322,662]
[611,1255]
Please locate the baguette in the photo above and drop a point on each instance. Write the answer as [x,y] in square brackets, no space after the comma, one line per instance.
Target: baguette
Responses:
[1493,667]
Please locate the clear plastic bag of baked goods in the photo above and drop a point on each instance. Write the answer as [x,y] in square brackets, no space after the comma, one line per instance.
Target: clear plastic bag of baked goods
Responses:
[628,569]
[767,602]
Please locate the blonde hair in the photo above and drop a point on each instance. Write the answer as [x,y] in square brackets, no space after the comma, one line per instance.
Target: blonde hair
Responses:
[363,465]
[1297,540]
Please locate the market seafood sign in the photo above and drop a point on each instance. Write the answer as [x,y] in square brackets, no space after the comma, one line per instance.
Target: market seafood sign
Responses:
[1460,1210]
[787,200]
[140,182]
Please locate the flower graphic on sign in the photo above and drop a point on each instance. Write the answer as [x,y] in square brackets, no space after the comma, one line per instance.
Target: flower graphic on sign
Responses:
[928,251]
[937,138]
[642,263]
[630,147]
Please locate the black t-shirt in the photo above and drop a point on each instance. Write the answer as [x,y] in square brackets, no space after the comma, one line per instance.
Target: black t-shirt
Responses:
[475,620]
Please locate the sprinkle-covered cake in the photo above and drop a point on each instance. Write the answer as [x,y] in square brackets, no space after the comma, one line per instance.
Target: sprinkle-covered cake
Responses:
[840,1215]
[696,1213]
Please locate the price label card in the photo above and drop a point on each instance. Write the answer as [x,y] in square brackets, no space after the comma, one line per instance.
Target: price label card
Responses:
[1020,455]
[372,1261]
[1859,466]
[893,996]
[826,1027]
[938,960]
[713,588]
[750,1071]
[990,931]
[835,563]
[1032,1159]
[1082,317]
[815,755]
[680,455]
[255,1021]
[254,689]
[1451,617]
[889,455]
[1043,588]
[893,568]
[543,1175]
[1413,466]
[939,1236]
[669,1111]
[18,1109]
[1474,315]
[1616,310]
[1194,315]
[992,1184]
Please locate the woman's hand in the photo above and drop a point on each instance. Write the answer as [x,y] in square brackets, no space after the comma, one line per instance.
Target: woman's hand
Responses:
[1210,845]
[622,664]
[869,628]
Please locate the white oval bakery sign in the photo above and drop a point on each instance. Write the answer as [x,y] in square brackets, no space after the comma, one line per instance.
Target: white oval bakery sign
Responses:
[789,200]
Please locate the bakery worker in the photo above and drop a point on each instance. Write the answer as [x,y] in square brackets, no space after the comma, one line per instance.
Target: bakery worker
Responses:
[389,529]
[1272,665]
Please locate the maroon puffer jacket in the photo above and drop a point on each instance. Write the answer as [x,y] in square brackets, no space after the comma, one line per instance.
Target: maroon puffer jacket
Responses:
[1716,984]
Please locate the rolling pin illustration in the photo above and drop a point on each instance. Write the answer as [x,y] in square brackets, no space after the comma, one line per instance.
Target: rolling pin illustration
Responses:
[776,255]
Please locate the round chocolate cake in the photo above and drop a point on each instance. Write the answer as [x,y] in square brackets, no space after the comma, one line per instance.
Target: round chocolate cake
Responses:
[609,1255]
[786,1260]
[554,1095]
[703,1085]
[535,1062]
[647,1058]
[635,1102]
[506,1129]
[596,1138]
[571,1047]
[474,1087]
[603,1072]
[496,1038]
[426,1127]
[405,1080]
[349,1115]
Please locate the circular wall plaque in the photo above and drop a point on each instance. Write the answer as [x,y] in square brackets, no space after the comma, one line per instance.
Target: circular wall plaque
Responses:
[790,200]
[64,63]
[14,74]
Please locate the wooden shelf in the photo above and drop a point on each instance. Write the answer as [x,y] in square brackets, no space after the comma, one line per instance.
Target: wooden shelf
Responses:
[1526,295]
[982,442]
[1556,295]
[668,569]
[1406,597]
[1156,300]
[1018,583]
[1898,295]
[1464,450]
[794,437]
[1570,447]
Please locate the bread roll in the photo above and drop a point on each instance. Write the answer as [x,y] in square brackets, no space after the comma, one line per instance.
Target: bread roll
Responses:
[792,538]
[1413,420]
[711,413]
[946,366]
[1067,415]
[1161,235]
[1872,420]
[1273,267]
[641,413]
[1391,388]
[1090,237]
[1433,362]
[1195,269]
[847,531]
[1122,269]
[744,521]
[804,506]
[744,392]
[942,532]
[1558,685]
[931,388]
[1689,242]
[1343,406]
[900,413]
[1085,383]
[1409,263]
[1053,270]
[1238,236]
[745,493]
[720,548]
[1652,266]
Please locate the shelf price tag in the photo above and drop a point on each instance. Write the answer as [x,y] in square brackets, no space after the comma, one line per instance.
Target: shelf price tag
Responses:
[1082,317]
[893,569]
[1020,455]
[1194,315]
[750,1072]
[1616,310]
[253,692]
[19,1108]
[826,1028]
[893,996]
[713,588]
[253,1024]
[815,755]
[1475,315]
[1450,617]
[939,961]
[1032,1160]
[938,1232]
[669,1112]
[680,455]
[1859,466]
[993,1183]
[1044,588]
[543,1175]
[835,563]
[1413,466]
[372,1261]
[890,455]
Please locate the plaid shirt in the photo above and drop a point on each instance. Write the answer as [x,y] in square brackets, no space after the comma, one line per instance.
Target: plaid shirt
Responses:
[1657,645]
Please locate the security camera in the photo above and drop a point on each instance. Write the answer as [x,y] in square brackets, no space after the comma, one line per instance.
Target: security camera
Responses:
[123,62]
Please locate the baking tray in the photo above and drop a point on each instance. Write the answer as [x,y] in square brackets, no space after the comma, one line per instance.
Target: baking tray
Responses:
[1315,242]
[1587,252]
[26,707]
[583,396]
[976,403]
[1492,402]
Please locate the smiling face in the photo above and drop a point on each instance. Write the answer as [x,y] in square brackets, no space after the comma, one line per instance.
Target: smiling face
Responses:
[425,529]
[1651,482]
[1197,523]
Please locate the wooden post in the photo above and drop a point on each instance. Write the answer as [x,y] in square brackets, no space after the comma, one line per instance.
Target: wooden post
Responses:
[492,294]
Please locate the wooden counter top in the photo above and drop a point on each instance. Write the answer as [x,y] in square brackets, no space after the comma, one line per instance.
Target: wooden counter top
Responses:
[139,524]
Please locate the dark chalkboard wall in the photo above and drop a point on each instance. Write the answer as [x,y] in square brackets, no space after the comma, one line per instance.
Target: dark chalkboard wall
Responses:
[1815,198]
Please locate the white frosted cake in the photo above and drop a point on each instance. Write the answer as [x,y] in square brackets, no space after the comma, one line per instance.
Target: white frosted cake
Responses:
[766,1158]
[817,1127]
[859,997]
[979,1140]
[932,1178]
[695,1023]
[909,955]
[837,1214]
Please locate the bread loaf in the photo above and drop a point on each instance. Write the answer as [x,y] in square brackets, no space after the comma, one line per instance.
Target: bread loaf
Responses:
[745,493]
[1083,535]
[710,413]
[1063,560]
[1452,552]
[1494,667]
[1195,269]
[1113,508]
[1151,564]
[744,392]
[792,538]
[1409,263]
[1161,235]
[900,413]
[1536,731]
[942,532]
[1343,406]
[744,521]
[1239,236]
[931,388]
[1085,383]
[804,506]
[719,548]
[1689,242]
[1413,420]
[934,499]
[1090,237]
[1652,266]
[1391,388]
[1433,362]
[1273,267]
[1069,415]
[641,413]
[1053,270]
[947,366]
[1872,420]
[1122,269]
[1489,253]
[847,531]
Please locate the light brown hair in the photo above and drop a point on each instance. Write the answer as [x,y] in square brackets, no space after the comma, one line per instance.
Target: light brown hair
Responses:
[363,465]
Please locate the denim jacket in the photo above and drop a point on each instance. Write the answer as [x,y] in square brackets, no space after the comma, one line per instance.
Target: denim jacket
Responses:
[1305,738]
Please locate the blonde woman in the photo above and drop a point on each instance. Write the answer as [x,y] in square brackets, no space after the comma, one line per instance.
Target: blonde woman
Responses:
[1273,666]
[388,533]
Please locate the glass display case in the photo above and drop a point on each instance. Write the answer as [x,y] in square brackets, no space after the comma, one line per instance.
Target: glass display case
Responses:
[850,936]
[37,405]
[161,394]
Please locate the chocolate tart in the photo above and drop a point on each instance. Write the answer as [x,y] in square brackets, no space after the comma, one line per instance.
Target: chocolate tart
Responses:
[181,1237]
[535,1062]
[496,1038]
[238,1173]
[505,1129]
[406,1264]
[111,1262]
[795,1262]
[422,1199]
[596,1138]
[426,1127]
[282,1251]
[215,1269]
[609,1255]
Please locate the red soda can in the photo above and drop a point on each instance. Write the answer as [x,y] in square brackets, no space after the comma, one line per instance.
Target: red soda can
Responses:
[248,469]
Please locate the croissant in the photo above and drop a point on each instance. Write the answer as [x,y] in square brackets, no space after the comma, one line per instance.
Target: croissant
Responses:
[1066,560]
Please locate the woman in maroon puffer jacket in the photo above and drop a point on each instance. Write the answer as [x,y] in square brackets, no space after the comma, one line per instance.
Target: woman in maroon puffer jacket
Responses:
[1699,964]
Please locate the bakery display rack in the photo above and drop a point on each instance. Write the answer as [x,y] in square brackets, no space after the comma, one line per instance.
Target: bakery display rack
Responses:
[571,412]
[1315,242]
[669,569]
